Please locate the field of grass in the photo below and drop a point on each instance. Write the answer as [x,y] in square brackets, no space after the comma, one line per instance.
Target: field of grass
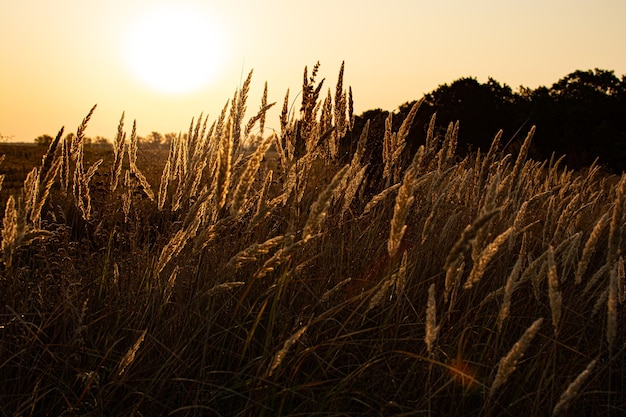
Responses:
[222,279]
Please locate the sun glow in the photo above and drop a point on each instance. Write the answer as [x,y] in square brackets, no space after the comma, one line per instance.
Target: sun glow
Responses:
[463,373]
[175,50]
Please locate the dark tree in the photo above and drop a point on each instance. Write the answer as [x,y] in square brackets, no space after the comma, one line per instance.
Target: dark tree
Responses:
[481,109]
[154,138]
[582,116]
[44,140]
[376,131]
[587,85]
[169,137]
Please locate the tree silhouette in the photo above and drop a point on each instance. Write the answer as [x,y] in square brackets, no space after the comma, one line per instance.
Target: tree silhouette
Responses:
[154,138]
[373,148]
[44,140]
[581,116]
[587,85]
[481,109]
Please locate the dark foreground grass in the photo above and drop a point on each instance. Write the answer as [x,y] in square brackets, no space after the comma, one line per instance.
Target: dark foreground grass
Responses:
[311,283]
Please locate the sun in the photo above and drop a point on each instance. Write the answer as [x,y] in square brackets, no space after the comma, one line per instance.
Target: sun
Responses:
[174,49]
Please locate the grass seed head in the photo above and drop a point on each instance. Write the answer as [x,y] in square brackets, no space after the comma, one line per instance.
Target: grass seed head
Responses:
[572,390]
[509,362]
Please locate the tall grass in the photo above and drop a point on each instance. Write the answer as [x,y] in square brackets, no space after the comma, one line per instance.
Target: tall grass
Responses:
[288,279]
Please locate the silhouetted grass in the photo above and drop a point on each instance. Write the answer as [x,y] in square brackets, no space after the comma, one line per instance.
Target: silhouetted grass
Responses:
[210,282]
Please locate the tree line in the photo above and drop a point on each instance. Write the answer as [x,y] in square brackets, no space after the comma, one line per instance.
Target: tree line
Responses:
[153,138]
[580,116]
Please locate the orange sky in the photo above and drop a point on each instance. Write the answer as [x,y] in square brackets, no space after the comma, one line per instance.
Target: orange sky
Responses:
[58,58]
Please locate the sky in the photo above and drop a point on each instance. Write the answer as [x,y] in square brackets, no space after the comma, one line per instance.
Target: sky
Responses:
[164,62]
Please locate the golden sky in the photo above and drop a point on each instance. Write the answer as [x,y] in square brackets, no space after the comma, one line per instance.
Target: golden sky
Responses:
[164,62]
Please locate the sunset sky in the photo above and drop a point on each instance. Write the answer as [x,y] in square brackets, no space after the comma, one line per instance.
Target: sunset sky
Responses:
[164,62]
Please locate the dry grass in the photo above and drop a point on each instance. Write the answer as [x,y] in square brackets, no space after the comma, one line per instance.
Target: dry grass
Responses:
[509,362]
[307,285]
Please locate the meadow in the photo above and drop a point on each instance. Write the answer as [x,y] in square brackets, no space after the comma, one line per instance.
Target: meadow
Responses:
[246,272]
